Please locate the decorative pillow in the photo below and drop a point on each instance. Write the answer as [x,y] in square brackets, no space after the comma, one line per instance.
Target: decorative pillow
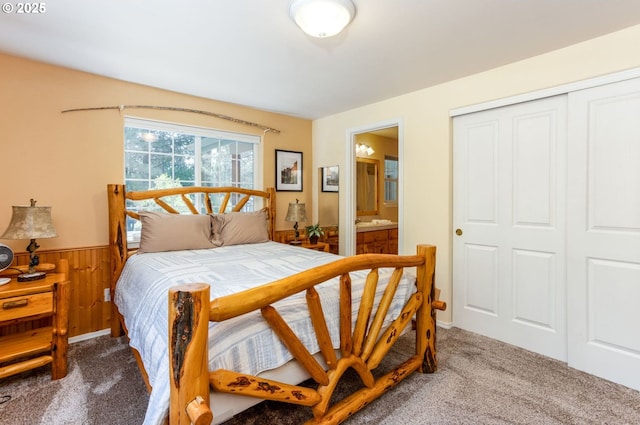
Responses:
[173,232]
[236,228]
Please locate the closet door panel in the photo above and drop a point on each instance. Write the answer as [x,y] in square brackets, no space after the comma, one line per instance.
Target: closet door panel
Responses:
[603,274]
[534,171]
[481,262]
[613,167]
[534,288]
[509,194]
[481,180]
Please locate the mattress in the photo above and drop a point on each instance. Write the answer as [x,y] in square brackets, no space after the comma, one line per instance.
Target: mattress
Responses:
[244,344]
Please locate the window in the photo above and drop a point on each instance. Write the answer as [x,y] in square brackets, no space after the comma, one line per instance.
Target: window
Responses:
[162,155]
[390,180]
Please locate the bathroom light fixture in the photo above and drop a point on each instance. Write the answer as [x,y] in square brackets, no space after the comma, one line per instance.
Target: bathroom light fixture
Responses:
[322,18]
[362,149]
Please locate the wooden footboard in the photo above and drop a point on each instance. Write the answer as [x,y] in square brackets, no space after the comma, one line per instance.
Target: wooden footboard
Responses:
[362,346]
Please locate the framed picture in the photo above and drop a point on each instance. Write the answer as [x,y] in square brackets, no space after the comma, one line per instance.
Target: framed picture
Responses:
[330,178]
[288,171]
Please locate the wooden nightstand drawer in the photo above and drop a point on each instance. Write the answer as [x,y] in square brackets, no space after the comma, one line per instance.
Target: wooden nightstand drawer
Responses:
[27,305]
[28,302]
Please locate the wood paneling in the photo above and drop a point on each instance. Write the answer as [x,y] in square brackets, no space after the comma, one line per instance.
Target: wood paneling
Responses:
[89,277]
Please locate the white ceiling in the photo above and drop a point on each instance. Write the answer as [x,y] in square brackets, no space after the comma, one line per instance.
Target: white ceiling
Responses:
[251,53]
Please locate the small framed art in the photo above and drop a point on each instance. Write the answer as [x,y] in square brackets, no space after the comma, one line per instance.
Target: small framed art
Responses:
[288,171]
[330,178]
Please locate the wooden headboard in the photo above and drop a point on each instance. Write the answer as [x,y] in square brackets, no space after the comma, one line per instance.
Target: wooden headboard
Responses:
[123,204]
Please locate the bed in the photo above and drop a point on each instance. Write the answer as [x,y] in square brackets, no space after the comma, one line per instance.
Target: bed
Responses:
[222,317]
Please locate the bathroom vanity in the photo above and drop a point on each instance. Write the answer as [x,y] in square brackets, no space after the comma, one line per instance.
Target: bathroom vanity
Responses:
[374,238]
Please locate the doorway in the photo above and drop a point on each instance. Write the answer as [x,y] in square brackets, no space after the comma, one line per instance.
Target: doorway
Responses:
[385,143]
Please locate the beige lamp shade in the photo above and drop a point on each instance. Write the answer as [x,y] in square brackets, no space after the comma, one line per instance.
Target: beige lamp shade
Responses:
[296,212]
[30,222]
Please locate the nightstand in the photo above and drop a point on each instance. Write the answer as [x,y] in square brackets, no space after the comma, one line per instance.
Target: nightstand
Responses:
[320,246]
[29,301]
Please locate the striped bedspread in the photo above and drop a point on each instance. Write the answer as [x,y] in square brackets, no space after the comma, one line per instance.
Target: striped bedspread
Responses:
[244,344]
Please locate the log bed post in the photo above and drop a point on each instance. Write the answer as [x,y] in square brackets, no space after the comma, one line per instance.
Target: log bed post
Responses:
[60,341]
[426,314]
[188,351]
[117,246]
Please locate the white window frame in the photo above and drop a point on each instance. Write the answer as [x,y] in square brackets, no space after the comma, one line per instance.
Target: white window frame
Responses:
[204,132]
[198,132]
[395,181]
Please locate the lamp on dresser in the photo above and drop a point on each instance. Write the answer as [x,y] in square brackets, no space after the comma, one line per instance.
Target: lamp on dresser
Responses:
[296,212]
[30,222]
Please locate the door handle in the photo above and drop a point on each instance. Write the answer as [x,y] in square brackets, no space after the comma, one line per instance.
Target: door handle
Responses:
[458,232]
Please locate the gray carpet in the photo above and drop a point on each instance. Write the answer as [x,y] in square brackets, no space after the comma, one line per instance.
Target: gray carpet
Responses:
[479,381]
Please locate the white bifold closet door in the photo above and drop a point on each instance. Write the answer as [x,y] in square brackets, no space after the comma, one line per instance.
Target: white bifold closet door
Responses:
[509,217]
[603,231]
[547,207]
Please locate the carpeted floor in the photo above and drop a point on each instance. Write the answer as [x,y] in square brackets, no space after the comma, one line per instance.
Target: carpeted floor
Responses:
[479,381]
[103,386]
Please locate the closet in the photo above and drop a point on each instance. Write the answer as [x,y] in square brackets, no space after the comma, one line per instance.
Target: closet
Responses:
[546,216]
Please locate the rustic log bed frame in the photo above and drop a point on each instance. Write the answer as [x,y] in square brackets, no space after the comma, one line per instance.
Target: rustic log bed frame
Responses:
[362,348]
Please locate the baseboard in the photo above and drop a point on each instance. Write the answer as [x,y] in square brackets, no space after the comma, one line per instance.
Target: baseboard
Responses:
[445,325]
[89,335]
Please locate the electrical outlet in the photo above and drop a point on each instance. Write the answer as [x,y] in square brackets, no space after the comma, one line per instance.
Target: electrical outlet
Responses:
[107,295]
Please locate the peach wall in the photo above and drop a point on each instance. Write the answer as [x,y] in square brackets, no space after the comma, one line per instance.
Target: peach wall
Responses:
[66,160]
[427,132]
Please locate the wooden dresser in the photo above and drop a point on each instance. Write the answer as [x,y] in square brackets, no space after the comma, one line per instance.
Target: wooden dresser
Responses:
[25,305]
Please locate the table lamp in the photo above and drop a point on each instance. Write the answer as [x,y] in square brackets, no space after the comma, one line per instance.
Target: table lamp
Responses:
[30,223]
[296,212]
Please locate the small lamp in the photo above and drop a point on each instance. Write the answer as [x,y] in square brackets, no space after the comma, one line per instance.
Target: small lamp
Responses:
[296,212]
[30,223]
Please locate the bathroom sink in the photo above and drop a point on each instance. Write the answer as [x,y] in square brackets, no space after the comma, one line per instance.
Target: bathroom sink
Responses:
[375,223]
[366,224]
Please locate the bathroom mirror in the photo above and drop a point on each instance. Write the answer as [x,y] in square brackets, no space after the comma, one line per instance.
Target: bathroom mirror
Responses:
[367,186]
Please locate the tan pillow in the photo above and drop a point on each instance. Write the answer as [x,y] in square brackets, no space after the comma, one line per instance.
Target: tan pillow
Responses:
[236,228]
[173,232]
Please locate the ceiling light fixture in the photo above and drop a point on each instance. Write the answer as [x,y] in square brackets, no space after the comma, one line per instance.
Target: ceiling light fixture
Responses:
[322,18]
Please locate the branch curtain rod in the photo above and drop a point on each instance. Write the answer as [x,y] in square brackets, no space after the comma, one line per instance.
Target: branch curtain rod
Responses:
[171,108]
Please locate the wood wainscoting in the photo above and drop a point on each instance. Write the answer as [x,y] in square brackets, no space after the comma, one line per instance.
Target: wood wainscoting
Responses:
[89,277]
